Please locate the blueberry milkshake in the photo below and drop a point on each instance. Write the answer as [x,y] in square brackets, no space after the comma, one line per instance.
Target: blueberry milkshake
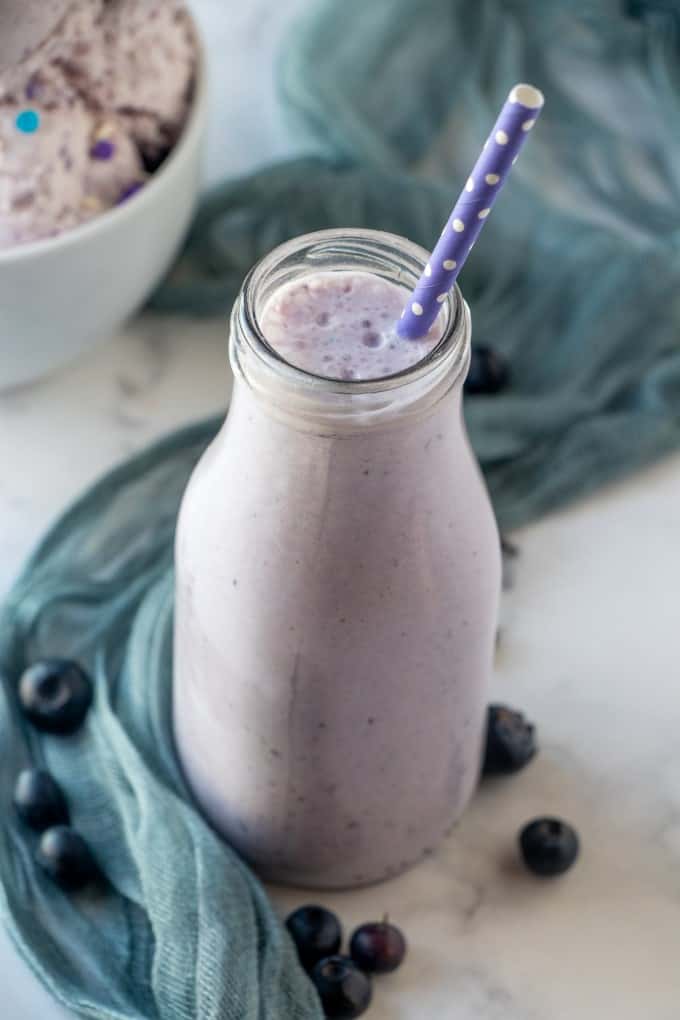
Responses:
[341,325]
[337,582]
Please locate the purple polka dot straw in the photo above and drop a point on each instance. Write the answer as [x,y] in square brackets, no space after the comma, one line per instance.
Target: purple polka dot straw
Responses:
[476,200]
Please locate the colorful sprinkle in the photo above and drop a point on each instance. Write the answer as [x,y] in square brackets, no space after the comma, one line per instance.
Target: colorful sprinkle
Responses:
[103,149]
[32,87]
[129,191]
[105,130]
[90,203]
[28,121]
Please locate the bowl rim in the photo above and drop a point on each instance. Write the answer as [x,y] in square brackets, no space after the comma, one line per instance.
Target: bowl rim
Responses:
[190,135]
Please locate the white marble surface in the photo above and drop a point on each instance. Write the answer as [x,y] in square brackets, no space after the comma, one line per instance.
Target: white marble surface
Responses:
[590,651]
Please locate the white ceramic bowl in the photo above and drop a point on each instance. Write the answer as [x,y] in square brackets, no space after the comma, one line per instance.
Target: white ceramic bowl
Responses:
[63,295]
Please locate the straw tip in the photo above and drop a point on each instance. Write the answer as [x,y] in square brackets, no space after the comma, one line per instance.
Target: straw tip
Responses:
[527,96]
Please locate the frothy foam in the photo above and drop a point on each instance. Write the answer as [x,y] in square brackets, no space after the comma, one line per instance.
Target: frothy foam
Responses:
[341,325]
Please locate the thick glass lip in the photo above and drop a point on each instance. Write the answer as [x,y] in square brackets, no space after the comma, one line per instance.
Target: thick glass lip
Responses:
[343,243]
[328,406]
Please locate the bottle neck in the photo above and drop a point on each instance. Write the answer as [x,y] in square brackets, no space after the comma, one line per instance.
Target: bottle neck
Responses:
[308,402]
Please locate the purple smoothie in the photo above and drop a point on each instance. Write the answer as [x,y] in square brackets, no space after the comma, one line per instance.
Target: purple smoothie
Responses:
[337,591]
[341,325]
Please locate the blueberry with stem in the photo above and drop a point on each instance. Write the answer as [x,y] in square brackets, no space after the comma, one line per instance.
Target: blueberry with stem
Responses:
[378,947]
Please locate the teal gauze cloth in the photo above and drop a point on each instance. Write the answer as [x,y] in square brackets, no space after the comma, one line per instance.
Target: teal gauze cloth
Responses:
[182,930]
[575,278]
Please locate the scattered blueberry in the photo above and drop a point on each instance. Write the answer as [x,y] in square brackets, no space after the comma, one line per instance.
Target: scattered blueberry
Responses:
[371,339]
[316,933]
[39,801]
[64,855]
[488,372]
[55,695]
[549,846]
[510,741]
[344,990]
[378,947]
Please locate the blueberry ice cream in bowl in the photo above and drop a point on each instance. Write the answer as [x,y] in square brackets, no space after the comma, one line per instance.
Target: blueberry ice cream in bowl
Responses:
[102,106]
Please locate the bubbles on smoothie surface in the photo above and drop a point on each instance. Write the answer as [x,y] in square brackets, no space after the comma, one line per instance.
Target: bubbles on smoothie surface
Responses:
[340,325]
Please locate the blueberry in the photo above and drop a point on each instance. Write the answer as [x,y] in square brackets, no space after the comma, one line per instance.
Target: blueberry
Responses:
[549,846]
[55,695]
[344,990]
[378,947]
[488,372]
[316,933]
[510,741]
[64,855]
[39,801]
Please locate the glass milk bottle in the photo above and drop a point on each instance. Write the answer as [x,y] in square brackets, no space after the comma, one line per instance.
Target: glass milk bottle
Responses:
[338,576]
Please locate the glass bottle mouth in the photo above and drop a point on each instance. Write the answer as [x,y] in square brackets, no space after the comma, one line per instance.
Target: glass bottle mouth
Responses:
[281,383]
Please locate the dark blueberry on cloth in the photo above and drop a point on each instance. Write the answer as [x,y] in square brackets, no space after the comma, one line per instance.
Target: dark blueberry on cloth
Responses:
[64,855]
[55,695]
[488,372]
[39,801]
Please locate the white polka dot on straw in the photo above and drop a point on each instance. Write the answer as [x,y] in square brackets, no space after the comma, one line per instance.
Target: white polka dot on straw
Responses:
[527,125]
[428,270]
[483,213]
[492,178]
[501,137]
[449,263]
[470,184]
[458,226]
[416,308]
[441,297]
